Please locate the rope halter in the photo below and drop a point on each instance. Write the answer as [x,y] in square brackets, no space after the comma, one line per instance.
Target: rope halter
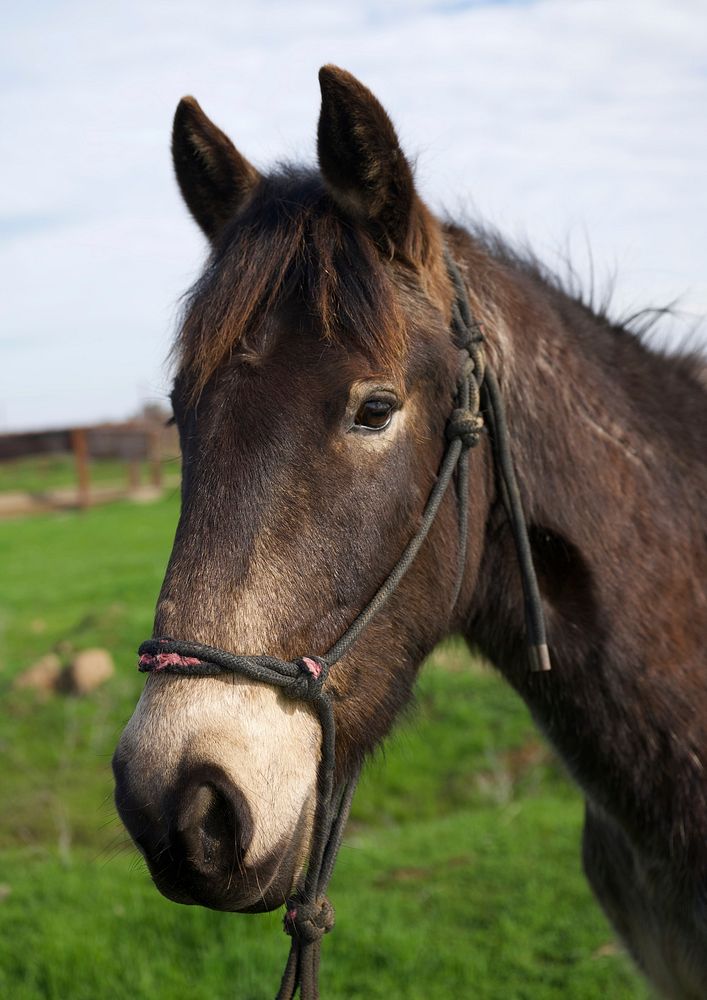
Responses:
[309,914]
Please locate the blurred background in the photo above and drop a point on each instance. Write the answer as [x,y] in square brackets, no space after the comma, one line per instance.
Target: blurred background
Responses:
[575,126]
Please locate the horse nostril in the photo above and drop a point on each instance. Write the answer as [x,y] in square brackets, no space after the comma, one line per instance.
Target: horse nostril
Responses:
[195,837]
[213,829]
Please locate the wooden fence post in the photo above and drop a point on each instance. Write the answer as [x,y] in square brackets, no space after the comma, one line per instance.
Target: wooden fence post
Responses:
[156,459]
[133,474]
[79,444]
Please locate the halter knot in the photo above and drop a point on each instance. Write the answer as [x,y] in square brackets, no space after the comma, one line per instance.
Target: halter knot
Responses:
[307,685]
[470,336]
[466,426]
[309,922]
[466,371]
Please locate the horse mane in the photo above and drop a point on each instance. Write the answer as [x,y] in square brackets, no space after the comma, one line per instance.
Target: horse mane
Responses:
[289,241]
[577,303]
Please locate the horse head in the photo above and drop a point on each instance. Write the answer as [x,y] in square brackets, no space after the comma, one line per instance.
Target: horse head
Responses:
[315,376]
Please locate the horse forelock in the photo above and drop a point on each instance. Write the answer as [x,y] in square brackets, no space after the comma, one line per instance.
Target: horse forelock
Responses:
[292,245]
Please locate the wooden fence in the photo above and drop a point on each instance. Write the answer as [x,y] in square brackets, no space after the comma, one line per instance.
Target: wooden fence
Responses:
[134,443]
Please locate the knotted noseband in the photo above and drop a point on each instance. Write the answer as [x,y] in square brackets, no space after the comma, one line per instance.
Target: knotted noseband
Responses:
[309,914]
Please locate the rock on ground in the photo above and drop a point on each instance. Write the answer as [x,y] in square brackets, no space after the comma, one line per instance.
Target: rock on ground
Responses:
[41,676]
[88,670]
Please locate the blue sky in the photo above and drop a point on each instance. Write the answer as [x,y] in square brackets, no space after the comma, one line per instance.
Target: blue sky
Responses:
[564,122]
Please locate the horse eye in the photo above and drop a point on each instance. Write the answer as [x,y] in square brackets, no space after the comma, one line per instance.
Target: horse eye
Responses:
[374,414]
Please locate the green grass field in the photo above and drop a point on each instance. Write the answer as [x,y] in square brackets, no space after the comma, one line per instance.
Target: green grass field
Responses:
[459,876]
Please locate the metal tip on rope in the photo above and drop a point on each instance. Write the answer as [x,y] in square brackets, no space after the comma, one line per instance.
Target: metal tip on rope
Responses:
[540,658]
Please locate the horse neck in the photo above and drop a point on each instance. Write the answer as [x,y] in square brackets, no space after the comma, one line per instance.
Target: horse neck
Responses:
[609,464]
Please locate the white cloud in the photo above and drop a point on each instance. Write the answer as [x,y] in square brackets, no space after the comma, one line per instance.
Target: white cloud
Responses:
[555,120]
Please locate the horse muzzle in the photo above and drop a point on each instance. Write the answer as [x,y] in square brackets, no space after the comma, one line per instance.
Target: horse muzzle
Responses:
[196,842]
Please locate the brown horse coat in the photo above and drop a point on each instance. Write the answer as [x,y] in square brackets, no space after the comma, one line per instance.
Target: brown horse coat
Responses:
[326,295]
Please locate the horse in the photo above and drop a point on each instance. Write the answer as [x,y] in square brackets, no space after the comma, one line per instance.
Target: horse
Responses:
[315,373]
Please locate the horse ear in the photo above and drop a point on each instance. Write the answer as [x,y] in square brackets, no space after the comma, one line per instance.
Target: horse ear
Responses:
[361,160]
[213,177]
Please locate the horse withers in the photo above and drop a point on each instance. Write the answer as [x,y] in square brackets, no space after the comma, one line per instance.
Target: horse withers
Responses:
[315,377]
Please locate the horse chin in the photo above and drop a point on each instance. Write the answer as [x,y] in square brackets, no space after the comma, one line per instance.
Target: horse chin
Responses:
[245,893]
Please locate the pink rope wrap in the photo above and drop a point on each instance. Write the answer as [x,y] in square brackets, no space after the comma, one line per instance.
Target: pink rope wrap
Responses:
[158,661]
[314,668]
